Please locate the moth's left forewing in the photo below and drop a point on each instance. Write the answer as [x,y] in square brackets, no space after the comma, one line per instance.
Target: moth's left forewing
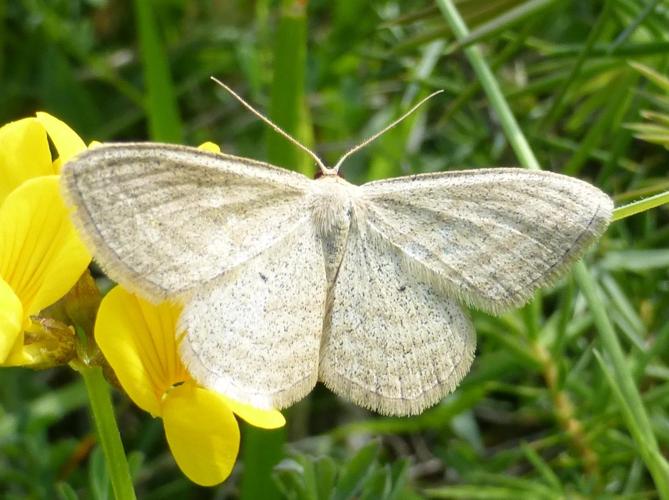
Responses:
[489,237]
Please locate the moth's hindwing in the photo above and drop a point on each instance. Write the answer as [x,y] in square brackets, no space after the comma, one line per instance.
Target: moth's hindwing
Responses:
[254,335]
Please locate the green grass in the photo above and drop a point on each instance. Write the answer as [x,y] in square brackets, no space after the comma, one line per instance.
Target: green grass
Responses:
[568,397]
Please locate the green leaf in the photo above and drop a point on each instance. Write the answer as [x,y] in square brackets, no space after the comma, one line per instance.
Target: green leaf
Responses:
[326,473]
[662,118]
[544,469]
[66,492]
[623,382]
[610,119]
[399,475]
[655,77]
[506,20]
[97,475]
[376,484]
[513,132]
[289,478]
[636,260]
[476,492]
[356,470]
[310,480]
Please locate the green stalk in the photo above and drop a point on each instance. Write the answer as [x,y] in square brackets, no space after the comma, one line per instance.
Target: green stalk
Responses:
[637,418]
[287,104]
[637,207]
[513,132]
[633,409]
[99,397]
[161,102]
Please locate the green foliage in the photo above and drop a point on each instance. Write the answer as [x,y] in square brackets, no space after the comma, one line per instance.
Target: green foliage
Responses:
[304,478]
[552,408]
[656,127]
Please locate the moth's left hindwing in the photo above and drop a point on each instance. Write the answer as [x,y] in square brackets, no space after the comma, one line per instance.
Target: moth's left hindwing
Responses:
[254,334]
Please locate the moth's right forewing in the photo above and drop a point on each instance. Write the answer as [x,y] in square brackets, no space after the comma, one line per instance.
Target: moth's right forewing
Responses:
[489,237]
[163,219]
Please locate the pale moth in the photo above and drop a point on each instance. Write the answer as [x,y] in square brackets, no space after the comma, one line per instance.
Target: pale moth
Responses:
[287,281]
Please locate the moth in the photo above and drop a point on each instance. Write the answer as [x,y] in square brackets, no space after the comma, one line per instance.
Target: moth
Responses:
[287,281]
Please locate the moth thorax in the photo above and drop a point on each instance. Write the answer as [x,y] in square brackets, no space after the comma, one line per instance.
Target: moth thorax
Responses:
[332,214]
[332,220]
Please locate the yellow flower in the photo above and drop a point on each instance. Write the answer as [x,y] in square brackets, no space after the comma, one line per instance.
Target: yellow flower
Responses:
[41,256]
[210,146]
[25,153]
[140,342]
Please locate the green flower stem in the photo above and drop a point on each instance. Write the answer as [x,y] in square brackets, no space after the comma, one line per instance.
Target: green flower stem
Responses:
[637,421]
[99,397]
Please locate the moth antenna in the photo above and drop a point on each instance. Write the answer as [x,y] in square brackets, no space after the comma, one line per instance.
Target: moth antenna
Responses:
[381,132]
[276,128]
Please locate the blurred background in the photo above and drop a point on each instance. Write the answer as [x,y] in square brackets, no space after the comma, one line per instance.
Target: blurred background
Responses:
[536,416]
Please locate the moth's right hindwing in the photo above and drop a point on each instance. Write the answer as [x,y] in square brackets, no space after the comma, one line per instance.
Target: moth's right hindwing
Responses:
[164,219]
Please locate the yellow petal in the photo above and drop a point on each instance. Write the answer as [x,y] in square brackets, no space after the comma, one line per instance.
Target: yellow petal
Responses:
[11,320]
[24,153]
[138,340]
[266,419]
[41,256]
[202,433]
[66,140]
[210,146]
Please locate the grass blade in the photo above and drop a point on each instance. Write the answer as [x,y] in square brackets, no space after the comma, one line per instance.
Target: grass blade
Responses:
[505,21]
[636,207]
[556,108]
[655,77]
[637,419]
[161,104]
[513,132]
[287,105]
